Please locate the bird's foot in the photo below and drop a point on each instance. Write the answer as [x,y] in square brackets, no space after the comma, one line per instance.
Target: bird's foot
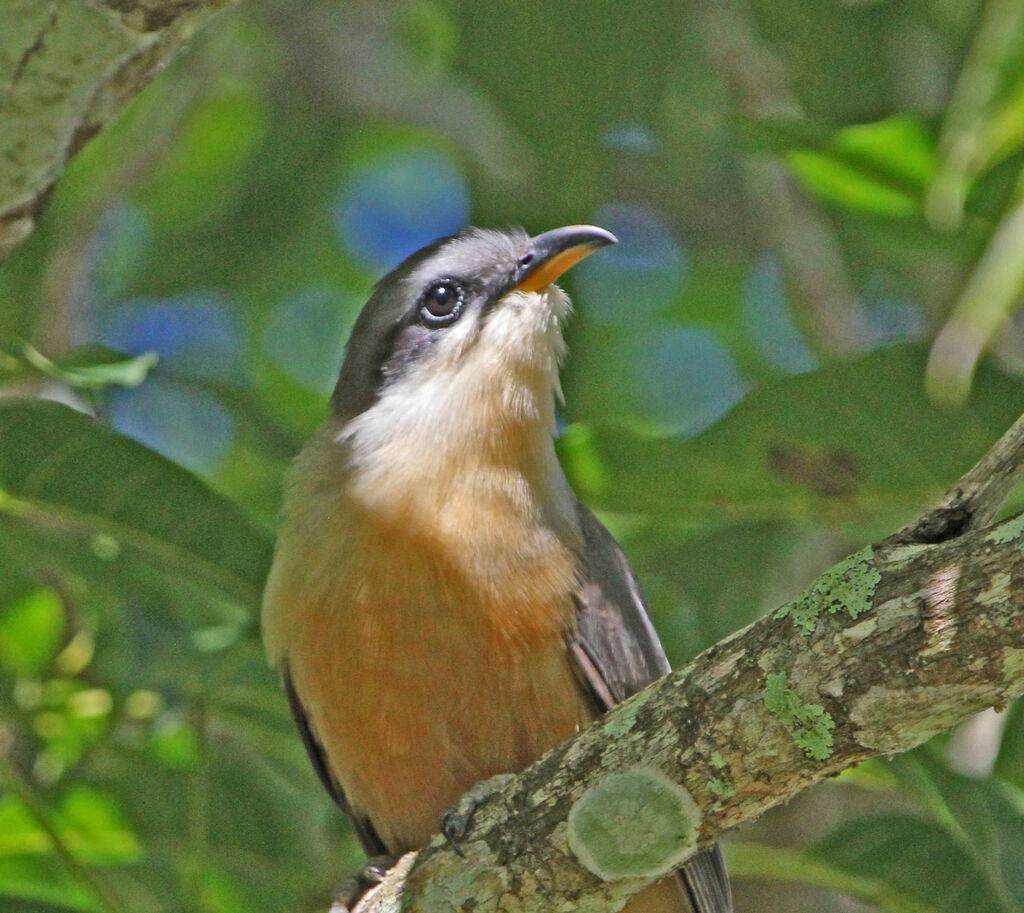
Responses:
[455,822]
[352,889]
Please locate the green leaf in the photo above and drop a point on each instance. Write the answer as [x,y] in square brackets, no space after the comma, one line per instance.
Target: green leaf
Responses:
[88,821]
[749,859]
[847,185]
[915,859]
[20,833]
[43,880]
[175,744]
[1009,764]
[856,442]
[200,176]
[879,168]
[69,470]
[91,830]
[30,632]
[94,367]
[964,852]
[95,828]
[898,147]
[985,819]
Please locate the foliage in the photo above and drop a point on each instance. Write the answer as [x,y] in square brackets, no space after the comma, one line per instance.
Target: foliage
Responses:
[902,860]
[819,214]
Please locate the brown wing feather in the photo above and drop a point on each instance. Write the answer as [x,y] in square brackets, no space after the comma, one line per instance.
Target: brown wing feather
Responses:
[617,653]
[368,837]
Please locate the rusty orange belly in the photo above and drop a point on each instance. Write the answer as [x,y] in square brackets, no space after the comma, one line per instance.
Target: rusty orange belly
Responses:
[421,679]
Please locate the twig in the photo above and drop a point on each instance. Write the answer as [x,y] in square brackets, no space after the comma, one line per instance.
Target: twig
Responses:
[976,498]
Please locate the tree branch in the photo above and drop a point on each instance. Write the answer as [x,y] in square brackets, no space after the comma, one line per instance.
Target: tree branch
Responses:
[974,500]
[892,645]
[69,68]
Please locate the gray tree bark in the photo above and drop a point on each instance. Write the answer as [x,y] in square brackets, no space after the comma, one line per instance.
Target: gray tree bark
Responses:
[892,645]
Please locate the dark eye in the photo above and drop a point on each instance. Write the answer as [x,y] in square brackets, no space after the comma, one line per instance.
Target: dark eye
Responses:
[441,303]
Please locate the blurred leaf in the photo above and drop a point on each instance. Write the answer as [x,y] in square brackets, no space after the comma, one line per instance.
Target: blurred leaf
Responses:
[898,147]
[175,744]
[96,829]
[855,442]
[144,614]
[705,586]
[31,629]
[984,818]
[88,821]
[207,169]
[845,184]
[873,774]
[915,859]
[749,859]
[221,892]
[967,854]
[94,367]
[40,879]
[53,849]
[1009,764]
[20,834]
[879,168]
[69,469]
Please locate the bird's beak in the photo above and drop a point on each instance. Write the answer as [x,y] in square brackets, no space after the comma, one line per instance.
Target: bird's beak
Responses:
[552,253]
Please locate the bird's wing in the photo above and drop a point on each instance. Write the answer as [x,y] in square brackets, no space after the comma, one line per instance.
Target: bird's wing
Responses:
[617,653]
[368,837]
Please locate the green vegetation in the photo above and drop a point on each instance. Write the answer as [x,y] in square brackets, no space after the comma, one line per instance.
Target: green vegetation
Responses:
[808,330]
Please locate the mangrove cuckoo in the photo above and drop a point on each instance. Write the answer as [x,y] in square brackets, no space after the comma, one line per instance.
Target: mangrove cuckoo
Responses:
[441,607]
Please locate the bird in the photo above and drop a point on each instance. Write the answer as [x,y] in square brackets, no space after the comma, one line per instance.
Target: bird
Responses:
[441,608]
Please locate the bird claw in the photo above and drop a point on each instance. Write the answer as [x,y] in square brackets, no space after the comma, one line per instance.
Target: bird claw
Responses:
[352,889]
[455,822]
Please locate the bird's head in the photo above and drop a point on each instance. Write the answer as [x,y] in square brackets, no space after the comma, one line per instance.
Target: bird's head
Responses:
[481,298]
[461,342]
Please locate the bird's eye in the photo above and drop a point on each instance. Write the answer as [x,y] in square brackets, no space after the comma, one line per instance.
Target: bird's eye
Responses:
[441,303]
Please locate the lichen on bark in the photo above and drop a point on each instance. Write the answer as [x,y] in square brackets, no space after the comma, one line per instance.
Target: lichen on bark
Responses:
[809,725]
[848,585]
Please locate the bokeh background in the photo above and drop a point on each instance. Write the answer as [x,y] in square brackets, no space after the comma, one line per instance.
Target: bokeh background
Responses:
[808,330]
